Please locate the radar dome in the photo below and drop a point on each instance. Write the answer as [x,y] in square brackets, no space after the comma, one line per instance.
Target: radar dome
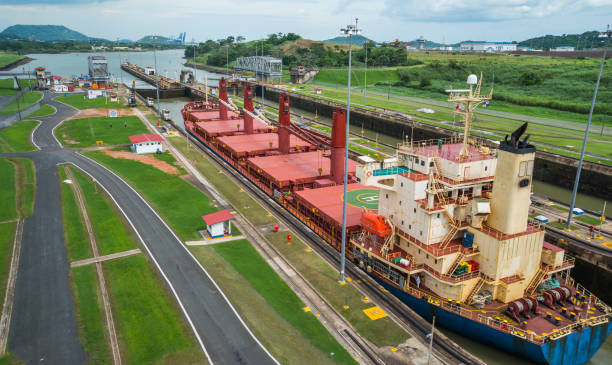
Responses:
[472,79]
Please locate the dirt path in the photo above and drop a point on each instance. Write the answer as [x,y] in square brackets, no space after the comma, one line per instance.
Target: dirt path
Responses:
[147,159]
[94,249]
[101,112]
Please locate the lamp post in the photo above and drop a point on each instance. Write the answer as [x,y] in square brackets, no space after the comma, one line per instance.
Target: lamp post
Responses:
[350,30]
[365,75]
[156,80]
[586,132]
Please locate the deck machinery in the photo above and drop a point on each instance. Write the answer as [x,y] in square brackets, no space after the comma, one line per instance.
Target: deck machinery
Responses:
[444,226]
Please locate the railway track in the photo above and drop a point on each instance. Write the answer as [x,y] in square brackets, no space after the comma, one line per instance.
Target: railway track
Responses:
[444,349]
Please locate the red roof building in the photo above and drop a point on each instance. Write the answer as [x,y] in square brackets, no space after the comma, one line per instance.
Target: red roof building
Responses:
[146,137]
[218,224]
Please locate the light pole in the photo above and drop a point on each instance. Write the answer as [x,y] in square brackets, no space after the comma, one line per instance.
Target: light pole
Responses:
[156,81]
[227,59]
[365,76]
[350,30]
[586,132]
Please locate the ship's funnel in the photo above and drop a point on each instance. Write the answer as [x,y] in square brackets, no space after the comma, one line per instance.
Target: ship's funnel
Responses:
[284,119]
[222,96]
[248,106]
[338,141]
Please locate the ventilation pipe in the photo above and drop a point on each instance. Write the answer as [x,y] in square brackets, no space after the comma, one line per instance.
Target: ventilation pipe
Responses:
[248,107]
[222,96]
[284,119]
[338,143]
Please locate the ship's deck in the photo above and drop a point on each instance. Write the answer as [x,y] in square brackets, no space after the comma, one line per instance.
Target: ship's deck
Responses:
[295,168]
[210,115]
[230,127]
[328,202]
[259,144]
[449,151]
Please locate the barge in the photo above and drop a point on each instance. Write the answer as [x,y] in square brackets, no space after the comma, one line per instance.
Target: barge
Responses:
[444,225]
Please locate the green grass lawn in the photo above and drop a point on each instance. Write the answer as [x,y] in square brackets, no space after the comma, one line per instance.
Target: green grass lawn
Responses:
[250,265]
[26,183]
[16,138]
[149,326]
[239,199]
[44,110]
[181,204]
[284,340]
[382,332]
[75,235]
[90,316]
[87,131]
[7,238]
[112,234]
[22,102]
[81,101]
[8,58]
[8,203]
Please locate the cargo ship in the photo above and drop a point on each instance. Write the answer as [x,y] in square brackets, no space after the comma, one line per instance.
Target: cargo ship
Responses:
[444,225]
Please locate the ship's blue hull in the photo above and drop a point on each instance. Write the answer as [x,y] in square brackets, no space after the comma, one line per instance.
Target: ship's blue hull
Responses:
[575,348]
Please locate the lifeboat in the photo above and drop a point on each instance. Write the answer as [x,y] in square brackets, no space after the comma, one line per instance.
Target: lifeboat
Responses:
[375,224]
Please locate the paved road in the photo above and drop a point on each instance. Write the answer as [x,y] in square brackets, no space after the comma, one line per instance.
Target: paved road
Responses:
[43,327]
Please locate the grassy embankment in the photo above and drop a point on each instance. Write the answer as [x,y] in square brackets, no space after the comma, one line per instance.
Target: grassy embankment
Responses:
[8,58]
[382,332]
[149,326]
[81,102]
[17,189]
[86,132]
[24,101]
[44,110]
[7,86]
[176,200]
[237,197]
[16,138]
[269,306]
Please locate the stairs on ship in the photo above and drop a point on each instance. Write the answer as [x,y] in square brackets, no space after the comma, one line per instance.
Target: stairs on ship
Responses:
[456,263]
[444,202]
[533,285]
[474,290]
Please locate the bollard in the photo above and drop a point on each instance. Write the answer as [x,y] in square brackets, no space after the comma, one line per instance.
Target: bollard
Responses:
[276,227]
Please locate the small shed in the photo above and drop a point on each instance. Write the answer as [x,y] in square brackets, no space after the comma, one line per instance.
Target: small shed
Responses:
[60,88]
[218,224]
[147,143]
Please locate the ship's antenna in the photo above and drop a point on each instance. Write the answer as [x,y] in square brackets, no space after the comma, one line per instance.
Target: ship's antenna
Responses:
[470,98]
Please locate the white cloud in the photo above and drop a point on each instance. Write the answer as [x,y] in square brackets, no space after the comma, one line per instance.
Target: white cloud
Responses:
[486,10]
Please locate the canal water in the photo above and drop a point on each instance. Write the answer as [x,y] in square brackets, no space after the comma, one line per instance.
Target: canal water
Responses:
[170,63]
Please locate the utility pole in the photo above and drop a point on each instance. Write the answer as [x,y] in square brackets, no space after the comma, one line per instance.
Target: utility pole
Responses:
[195,69]
[586,132]
[365,76]
[156,81]
[350,30]
[431,336]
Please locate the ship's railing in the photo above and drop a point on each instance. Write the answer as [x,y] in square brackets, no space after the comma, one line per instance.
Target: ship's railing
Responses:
[532,226]
[568,261]
[435,251]
[569,281]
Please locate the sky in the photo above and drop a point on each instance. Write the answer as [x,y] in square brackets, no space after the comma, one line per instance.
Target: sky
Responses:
[447,21]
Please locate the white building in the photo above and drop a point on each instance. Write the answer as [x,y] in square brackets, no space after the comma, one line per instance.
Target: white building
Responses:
[218,224]
[149,71]
[147,143]
[563,49]
[478,46]
[60,88]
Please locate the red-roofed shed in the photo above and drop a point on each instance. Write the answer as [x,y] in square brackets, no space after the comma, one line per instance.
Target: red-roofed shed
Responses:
[147,143]
[218,224]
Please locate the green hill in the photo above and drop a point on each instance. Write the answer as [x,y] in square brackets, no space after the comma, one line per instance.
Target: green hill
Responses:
[358,40]
[42,33]
[586,40]
[153,39]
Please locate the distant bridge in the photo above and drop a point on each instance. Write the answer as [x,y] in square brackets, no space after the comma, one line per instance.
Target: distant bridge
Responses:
[264,67]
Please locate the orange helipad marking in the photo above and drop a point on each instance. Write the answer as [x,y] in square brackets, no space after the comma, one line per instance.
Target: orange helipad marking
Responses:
[374,313]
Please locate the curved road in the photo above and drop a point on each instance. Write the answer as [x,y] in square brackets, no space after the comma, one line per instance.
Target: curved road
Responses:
[43,327]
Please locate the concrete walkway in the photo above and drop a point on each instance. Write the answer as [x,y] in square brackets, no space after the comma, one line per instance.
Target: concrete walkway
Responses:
[111,256]
[214,241]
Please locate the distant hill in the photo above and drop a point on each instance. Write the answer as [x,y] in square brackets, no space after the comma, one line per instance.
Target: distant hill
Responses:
[42,33]
[586,40]
[358,40]
[153,39]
